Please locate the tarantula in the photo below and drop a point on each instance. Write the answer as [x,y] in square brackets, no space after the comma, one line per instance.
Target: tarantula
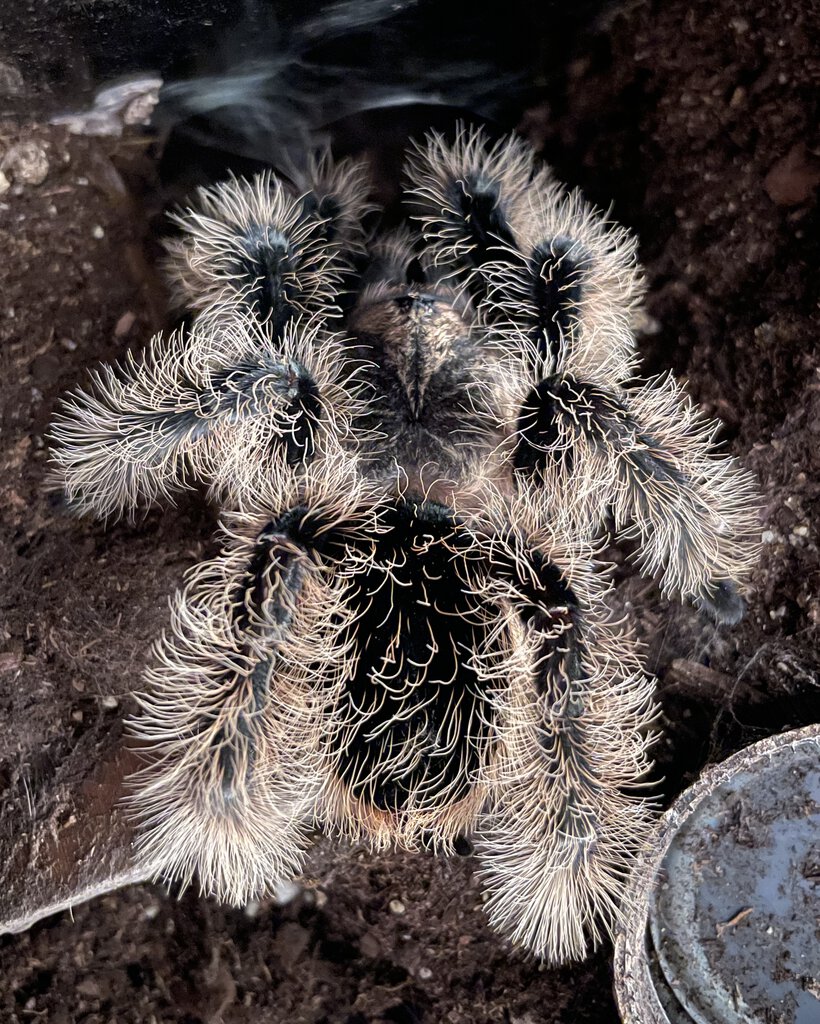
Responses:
[417,440]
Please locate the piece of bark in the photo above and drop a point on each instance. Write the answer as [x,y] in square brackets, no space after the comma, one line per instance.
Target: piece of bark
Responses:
[695,680]
[79,847]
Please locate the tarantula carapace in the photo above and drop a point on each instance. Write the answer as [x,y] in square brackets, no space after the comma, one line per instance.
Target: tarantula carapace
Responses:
[417,439]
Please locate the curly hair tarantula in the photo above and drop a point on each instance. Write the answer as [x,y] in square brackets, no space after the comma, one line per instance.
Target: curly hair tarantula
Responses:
[417,440]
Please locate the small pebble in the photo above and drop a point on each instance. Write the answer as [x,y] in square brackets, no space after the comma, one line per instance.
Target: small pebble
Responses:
[139,110]
[124,324]
[11,81]
[285,892]
[738,98]
[26,163]
[68,344]
[369,946]
[97,231]
[110,702]
[88,987]
[425,973]
[10,661]
[794,178]
[396,907]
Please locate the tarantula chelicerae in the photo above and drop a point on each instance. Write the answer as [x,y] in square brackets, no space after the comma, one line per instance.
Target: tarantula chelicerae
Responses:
[416,440]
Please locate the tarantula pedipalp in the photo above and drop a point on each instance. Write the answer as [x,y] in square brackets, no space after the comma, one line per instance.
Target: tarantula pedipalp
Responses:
[405,637]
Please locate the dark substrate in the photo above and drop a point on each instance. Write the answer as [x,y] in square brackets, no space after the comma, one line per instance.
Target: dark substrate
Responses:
[696,120]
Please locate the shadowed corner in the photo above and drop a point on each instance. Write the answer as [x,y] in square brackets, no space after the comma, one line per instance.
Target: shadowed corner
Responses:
[76,845]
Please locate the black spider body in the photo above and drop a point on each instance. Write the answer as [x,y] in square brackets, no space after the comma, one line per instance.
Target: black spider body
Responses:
[417,440]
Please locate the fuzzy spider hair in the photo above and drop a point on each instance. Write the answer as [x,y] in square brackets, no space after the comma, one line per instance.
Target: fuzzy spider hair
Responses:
[406,637]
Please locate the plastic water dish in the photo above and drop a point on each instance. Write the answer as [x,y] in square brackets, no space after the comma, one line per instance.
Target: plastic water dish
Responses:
[724,925]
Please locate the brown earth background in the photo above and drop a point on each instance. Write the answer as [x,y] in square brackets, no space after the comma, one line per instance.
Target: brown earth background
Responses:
[698,122]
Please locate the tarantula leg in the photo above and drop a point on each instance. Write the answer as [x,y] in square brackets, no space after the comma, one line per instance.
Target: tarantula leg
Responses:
[143,428]
[648,453]
[568,293]
[253,243]
[391,258]
[241,697]
[218,799]
[573,709]
[335,196]
[551,273]
[465,195]
[543,287]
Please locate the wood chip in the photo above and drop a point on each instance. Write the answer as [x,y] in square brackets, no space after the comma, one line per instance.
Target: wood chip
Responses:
[741,915]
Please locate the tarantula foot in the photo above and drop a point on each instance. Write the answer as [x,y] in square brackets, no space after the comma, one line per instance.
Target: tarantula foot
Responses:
[724,604]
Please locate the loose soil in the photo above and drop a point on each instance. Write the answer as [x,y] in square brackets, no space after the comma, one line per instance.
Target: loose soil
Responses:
[695,119]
